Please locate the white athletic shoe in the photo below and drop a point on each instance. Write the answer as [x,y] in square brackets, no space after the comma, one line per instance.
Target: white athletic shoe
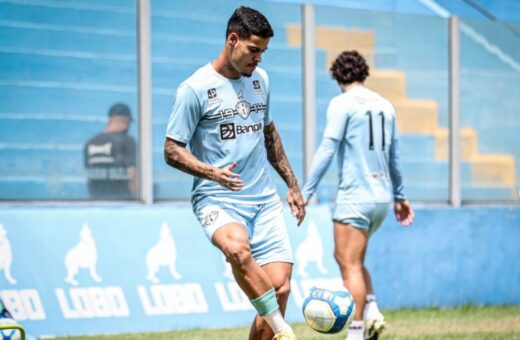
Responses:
[374,321]
[285,336]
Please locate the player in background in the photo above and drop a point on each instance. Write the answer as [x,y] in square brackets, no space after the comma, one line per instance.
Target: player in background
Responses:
[111,158]
[362,129]
[222,112]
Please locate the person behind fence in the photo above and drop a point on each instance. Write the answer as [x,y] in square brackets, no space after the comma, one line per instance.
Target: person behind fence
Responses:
[362,129]
[110,158]
[222,111]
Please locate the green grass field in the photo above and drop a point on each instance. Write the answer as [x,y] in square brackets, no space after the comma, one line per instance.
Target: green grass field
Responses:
[447,324]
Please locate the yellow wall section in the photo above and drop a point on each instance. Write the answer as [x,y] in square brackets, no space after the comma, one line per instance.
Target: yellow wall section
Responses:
[417,116]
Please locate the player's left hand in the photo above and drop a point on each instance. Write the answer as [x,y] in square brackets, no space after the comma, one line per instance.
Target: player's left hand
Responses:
[296,202]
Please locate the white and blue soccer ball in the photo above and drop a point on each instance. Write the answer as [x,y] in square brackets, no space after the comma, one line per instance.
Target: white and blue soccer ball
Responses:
[9,334]
[328,311]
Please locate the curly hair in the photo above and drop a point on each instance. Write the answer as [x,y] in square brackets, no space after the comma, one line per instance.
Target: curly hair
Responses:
[349,67]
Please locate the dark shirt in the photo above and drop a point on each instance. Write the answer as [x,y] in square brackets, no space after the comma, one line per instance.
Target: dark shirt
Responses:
[107,158]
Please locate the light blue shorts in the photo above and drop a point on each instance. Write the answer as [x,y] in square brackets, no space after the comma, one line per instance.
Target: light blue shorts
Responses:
[367,216]
[264,223]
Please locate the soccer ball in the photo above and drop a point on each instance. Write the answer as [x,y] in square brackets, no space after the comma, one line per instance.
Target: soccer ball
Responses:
[328,311]
[9,334]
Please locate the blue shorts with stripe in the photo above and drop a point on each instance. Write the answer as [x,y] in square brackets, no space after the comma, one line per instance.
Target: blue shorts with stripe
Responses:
[367,216]
[264,223]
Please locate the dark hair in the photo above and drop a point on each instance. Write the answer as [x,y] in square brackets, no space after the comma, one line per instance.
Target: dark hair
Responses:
[246,22]
[120,109]
[349,67]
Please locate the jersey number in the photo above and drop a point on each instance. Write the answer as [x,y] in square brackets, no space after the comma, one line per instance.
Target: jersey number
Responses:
[371,130]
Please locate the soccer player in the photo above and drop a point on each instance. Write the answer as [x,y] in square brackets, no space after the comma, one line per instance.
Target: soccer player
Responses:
[222,112]
[362,129]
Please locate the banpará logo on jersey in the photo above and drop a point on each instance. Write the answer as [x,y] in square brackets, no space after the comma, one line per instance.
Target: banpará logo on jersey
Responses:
[231,131]
[227,131]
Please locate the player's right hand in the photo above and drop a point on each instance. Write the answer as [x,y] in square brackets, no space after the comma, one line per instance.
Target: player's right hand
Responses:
[404,212]
[228,179]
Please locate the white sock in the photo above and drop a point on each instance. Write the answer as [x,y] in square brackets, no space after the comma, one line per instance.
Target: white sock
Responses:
[370,298]
[356,330]
[277,323]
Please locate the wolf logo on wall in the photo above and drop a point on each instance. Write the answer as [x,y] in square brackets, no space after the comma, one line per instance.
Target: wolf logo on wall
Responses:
[82,256]
[310,250]
[6,255]
[162,254]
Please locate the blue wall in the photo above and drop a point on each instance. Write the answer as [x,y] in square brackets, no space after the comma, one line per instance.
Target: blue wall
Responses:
[448,257]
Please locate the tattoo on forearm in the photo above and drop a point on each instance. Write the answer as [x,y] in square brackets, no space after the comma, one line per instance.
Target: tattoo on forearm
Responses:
[178,157]
[276,155]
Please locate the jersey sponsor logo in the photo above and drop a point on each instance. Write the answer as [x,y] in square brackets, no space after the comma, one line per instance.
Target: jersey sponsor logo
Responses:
[162,254]
[6,256]
[104,149]
[82,256]
[257,88]
[310,250]
[231,131]
[227,131]
[212,93]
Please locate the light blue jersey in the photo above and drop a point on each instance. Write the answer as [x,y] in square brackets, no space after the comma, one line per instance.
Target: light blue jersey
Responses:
[362,126]
[222,120]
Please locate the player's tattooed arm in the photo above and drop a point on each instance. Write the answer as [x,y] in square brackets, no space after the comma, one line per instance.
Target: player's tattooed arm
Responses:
[278,159]
[177,156]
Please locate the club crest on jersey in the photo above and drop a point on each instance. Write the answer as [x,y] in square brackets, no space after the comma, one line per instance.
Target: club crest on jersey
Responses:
[210,218]
[243,108]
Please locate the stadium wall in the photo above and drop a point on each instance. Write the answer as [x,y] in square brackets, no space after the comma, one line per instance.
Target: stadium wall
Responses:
[85,270]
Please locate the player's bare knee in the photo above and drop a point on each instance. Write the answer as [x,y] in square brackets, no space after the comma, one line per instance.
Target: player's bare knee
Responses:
[283,290]
[237,254]
[347,263]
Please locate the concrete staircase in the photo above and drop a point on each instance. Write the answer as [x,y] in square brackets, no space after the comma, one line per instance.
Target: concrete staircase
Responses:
[415,116]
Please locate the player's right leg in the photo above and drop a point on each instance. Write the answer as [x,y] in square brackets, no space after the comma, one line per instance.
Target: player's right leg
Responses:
[232,240]
[374,320]
[349,250]
[226,229]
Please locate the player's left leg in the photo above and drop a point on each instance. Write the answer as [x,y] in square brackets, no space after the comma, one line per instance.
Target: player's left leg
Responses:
[280,275]
[272,250]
